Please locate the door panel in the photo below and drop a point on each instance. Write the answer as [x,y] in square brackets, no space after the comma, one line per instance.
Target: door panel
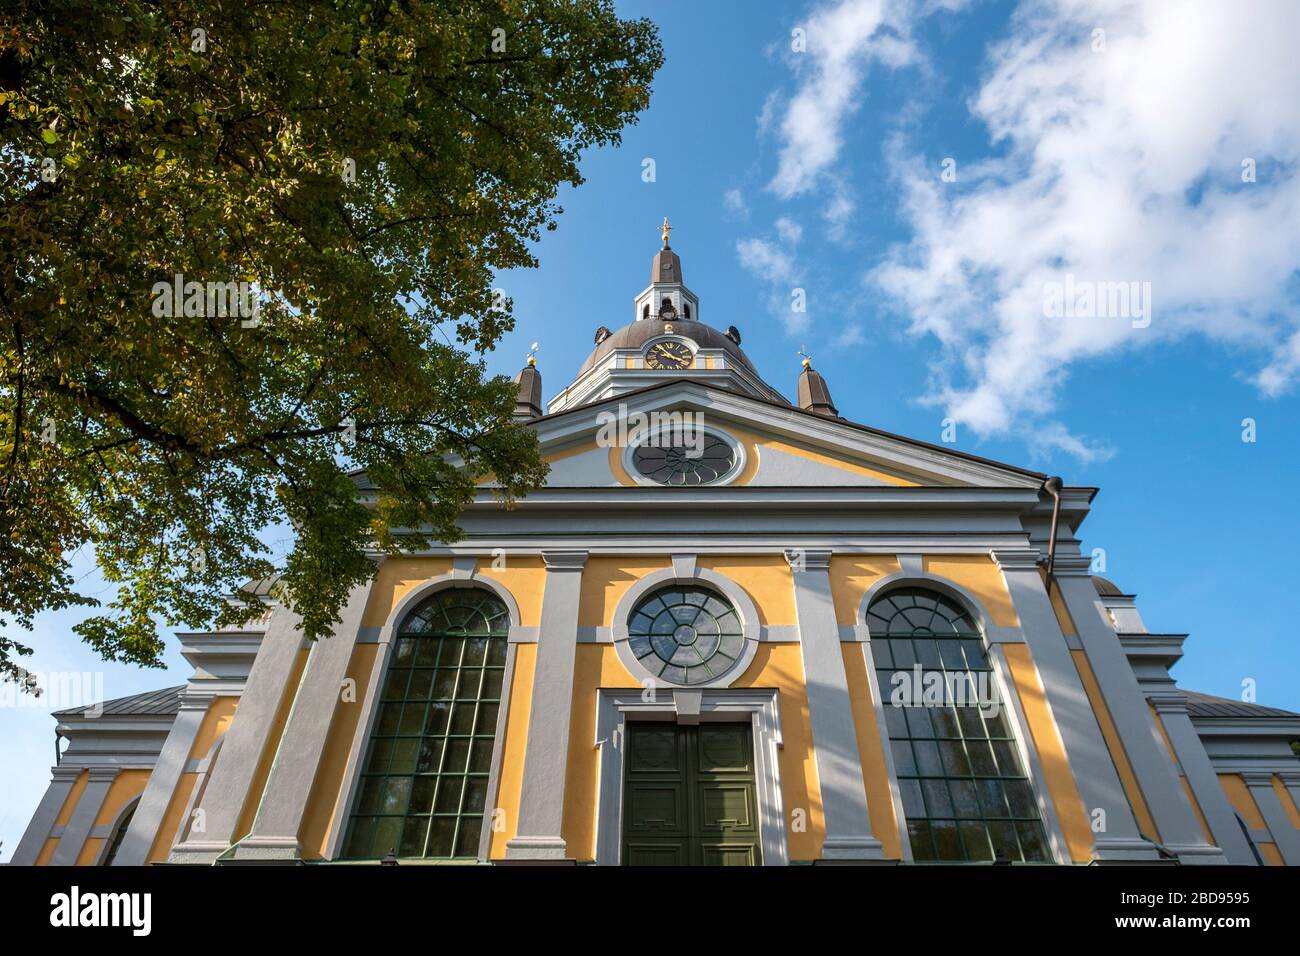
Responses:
[728,854]
[658,808]
[689,796]
[727,808]
[724,747]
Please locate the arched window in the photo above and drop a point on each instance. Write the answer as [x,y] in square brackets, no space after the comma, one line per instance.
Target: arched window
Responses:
[685,634]
[1250,840]
[965,793]
[116,843]
[423,789]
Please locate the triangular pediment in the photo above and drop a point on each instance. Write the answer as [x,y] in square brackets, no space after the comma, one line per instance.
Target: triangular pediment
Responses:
[777,445]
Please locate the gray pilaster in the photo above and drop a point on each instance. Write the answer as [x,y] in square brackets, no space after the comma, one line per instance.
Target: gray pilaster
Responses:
[541,799]
[1085,747]
[148,816]
[1218,812]
[834,737]
[246,740]
[1291,780]
[1156,775]
[38,831]
[1285,836]
[274,835]
[83,816]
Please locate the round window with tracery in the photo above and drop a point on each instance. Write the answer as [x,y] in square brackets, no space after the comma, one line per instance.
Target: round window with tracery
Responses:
[682,465]
[686,635]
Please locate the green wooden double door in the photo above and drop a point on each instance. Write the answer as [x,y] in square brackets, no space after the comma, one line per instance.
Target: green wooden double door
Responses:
[689,797]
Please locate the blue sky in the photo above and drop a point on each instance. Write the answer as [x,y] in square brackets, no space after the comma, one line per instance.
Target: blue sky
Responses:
[824,168]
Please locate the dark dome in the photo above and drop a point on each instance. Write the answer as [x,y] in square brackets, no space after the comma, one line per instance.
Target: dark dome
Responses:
[1106,587]
[638,333]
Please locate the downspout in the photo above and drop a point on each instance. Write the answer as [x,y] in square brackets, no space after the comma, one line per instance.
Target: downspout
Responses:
[1053,487]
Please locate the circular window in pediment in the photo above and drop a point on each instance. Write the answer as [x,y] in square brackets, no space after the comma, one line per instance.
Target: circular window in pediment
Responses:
[701,462]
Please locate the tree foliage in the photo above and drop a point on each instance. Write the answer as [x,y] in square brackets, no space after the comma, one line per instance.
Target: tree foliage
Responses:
[366,168]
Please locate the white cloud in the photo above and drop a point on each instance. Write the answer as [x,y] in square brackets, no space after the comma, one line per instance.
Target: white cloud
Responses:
[734,200]
[843,40]
[1054,437]
[781,277]
[765,260]
[1123,165]
[851,336]
[839,210]
[789,230]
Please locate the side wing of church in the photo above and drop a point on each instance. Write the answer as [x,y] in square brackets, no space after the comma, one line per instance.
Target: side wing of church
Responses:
[729,630]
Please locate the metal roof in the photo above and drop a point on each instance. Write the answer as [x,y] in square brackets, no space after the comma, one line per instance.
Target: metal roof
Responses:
[637,333]
[153,703]
[1207,705]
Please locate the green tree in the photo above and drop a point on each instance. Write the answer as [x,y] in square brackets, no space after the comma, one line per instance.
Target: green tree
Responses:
[366,168]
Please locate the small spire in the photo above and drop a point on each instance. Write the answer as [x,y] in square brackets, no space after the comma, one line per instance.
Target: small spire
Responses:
[528,400]
[814,394]
[665,230]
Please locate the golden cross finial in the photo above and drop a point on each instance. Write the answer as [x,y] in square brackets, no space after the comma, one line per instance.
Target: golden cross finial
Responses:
[806,356]
[666,229]
[532,354]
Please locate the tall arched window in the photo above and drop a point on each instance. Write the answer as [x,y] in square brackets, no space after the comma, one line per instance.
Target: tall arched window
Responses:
[965,793]
[423,789]
[115,844]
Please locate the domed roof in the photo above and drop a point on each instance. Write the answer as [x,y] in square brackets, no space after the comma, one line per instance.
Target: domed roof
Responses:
[1106,587]
[638,333]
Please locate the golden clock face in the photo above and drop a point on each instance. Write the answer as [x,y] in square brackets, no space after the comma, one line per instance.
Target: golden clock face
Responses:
[668,355]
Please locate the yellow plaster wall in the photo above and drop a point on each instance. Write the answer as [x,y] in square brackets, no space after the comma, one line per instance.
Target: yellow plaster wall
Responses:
[595,666]
[216,720]
[1115,745]
[325,805]
[1062,612]
[871,750]
[981,576]
[766,578]
[877,472]
[257,787]
[395,577]
[780,666]
[65,815]
[606,579]
[1239,796]
[617,469]
[1284,797]
[126,786]
[1062,789]
[511,779]
[1187,786]
[852,576]
[563,453]
[524,576]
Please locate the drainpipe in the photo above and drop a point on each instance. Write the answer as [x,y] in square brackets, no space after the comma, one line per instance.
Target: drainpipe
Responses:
[1053,487]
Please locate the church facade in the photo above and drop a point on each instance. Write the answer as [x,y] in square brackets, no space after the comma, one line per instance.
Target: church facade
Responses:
[730,629]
